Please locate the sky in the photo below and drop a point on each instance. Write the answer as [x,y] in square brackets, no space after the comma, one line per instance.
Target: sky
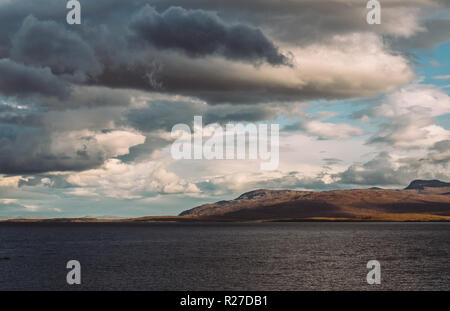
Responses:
[86,111]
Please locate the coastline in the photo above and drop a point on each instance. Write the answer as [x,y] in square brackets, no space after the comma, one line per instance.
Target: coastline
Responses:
[194,219]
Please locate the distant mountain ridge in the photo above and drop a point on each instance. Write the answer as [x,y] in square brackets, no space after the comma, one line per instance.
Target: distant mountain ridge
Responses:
[413,203]
[422,184]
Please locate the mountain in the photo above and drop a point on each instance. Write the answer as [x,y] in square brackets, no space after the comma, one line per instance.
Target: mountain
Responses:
[414,203]
[423,184]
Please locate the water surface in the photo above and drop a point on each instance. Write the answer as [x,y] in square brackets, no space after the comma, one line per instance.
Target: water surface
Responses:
[225,256]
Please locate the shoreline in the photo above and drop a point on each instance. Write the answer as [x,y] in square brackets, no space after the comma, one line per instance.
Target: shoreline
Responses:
[191,219]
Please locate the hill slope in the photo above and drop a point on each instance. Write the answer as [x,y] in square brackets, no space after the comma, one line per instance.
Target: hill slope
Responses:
[430,186]
[376,204]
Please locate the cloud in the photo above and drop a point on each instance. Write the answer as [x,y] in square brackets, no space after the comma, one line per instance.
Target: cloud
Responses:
[296,180]
[237,183]
[167,182]
[411,113]
[310,20]
[20,80]
[432,34]
[10,204]
[316,125]
[409,132]
[45,180]
[444,77]
[358,65]
[9,181]
[378,171]
[200,33]
[130,181]
[164,114]
[328,130]
[440,153]
[16,207]
[89,97]
[388,170]
[415,98]
[191,51]
[47,44]
[331,161]
[155,118]
[30,151]
[8,201]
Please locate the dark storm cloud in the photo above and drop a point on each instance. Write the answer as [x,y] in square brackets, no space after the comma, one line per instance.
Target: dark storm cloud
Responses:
[299,21]
[142,152]
[88,97]
[306,21]
[10,114]
[34,141]
[163,115]
[47,44]
[106,40]
[242,113]
[169,49]
[199,33]
[20,80]
[29,151]
[217,83]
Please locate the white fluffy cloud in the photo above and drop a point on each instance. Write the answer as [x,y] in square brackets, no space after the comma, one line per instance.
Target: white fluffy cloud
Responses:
[116,179]
[359,63]
[112,144]
[415,99]
[411,112]
[328,130]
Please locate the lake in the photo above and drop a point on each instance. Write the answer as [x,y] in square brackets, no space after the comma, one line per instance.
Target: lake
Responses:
[225,256]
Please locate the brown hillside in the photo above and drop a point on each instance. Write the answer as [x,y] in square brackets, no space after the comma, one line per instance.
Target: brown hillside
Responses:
[349,204]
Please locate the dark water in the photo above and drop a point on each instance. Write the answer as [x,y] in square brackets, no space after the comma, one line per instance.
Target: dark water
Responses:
[270,256]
